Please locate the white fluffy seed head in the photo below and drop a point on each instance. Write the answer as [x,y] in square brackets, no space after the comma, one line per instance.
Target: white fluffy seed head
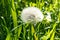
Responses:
[31,14]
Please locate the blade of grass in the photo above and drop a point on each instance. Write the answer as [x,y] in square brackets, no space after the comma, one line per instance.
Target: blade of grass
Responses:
[24,31]
[14,17]
[52,37]
[49,34]
[33,33]
[19,31]
[8,37]
[5,27]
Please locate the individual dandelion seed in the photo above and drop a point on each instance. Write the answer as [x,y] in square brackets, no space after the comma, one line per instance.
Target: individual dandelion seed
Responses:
[48,17]
[31,14]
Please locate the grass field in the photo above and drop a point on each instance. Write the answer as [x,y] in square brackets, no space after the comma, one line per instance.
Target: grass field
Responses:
[12,27]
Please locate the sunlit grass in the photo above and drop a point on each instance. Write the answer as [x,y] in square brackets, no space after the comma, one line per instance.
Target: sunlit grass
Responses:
[12,27]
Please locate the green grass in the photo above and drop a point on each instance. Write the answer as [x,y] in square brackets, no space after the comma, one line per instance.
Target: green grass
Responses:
[12,28]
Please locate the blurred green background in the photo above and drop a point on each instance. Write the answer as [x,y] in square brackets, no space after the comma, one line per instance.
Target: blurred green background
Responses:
[12,27]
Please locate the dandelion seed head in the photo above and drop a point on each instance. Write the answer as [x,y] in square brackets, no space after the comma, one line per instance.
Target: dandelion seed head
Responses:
[31,14]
